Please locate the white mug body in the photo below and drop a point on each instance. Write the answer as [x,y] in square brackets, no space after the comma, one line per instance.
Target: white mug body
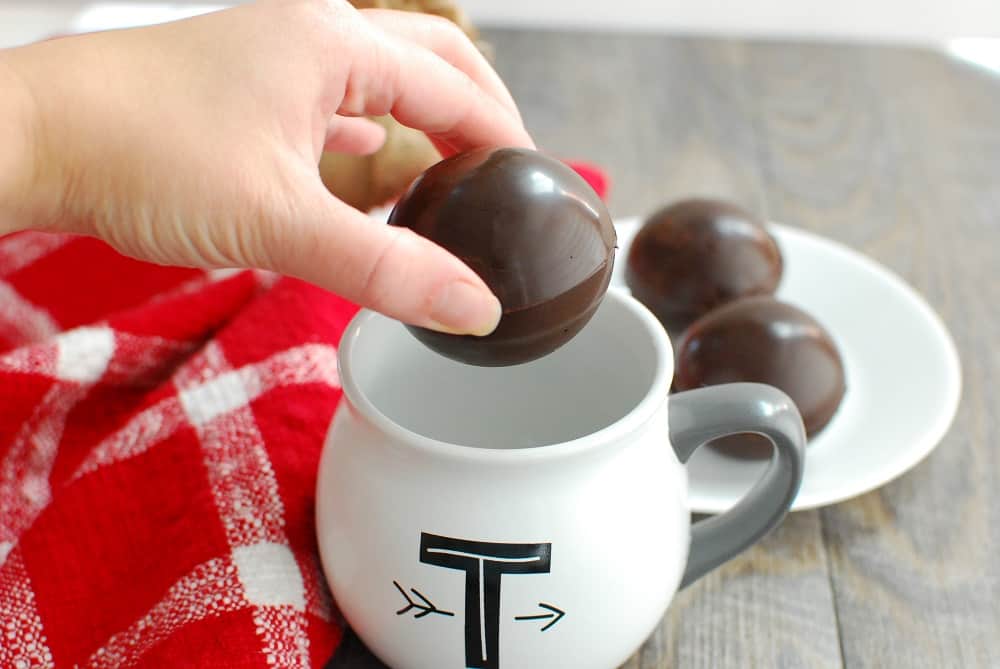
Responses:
[462,523]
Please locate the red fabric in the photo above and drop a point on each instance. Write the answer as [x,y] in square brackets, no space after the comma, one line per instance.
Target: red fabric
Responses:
[159,436]
[595,176]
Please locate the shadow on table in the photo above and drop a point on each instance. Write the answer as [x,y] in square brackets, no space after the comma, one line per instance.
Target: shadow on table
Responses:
[352,654]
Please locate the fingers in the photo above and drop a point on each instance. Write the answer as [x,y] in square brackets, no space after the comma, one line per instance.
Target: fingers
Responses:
[446,150]
[447,41]
[423,91]
[355,135]
[389,269]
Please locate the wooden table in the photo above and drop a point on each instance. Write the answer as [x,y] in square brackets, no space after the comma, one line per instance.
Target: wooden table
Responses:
[896,152]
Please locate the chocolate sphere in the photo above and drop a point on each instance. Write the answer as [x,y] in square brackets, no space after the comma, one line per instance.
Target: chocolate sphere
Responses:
[762,340]
[697,254]
[533,229]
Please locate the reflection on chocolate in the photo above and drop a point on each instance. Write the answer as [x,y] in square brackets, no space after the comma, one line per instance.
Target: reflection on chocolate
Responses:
[697,254]
[533,229]
[763,340]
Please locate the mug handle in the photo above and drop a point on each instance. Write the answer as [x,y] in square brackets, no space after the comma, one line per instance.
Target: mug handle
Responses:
[699,416]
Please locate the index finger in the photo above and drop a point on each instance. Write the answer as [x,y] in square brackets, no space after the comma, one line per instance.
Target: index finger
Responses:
[448,41]
[423,91]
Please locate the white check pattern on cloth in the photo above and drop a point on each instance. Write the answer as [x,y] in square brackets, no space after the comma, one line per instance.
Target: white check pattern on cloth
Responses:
[20,320]
[77,360]
[261,572]
[22,637]
[250,507]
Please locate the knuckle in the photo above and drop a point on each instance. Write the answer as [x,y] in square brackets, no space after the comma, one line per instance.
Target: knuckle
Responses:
[261,236]
[472,96]
[384,266]
[371,88]
[303,11]
[449,39]
[324,8]
[446,28]
[322,22]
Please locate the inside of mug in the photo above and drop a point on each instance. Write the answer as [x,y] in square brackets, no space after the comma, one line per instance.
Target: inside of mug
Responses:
[591,382]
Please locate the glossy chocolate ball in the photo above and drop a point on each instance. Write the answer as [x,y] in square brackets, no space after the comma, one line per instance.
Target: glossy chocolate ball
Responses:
[762,340]
[698,254]
[533,229]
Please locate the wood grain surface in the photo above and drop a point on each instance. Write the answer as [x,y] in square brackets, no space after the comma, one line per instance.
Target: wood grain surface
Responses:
[895,152]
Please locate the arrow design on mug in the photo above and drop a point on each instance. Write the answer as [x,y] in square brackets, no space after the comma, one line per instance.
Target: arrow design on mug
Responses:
[556,615]
[425,609]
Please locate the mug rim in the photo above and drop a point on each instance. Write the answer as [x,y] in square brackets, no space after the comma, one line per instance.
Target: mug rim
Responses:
[652,400]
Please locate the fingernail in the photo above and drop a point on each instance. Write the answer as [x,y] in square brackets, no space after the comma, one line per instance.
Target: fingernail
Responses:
[463,308]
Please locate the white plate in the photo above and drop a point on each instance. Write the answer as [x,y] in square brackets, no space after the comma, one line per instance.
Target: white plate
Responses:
[903,375]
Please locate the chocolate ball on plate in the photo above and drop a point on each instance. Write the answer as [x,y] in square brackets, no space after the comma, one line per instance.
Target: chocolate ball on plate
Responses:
[533,229]
[697,254]
[763,340]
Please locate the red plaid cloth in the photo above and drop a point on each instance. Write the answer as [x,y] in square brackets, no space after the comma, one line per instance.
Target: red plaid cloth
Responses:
[160,430]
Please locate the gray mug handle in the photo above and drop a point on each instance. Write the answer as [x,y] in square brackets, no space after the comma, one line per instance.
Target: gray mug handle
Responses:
[699,416]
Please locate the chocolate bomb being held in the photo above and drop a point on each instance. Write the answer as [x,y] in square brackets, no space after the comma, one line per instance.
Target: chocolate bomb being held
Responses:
[533,230]
[698,254]
[762,340]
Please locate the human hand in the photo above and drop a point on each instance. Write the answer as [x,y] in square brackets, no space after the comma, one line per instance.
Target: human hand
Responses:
[196,143]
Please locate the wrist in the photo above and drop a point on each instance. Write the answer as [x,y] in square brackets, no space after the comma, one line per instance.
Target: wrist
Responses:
[19,137]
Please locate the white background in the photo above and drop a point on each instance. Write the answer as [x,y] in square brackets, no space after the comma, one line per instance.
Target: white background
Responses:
[905,20]
[926,21]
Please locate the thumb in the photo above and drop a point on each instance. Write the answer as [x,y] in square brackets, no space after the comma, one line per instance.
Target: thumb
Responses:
[389,269]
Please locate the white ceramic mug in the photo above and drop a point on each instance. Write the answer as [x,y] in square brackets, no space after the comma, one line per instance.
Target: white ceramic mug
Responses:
[529,516]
